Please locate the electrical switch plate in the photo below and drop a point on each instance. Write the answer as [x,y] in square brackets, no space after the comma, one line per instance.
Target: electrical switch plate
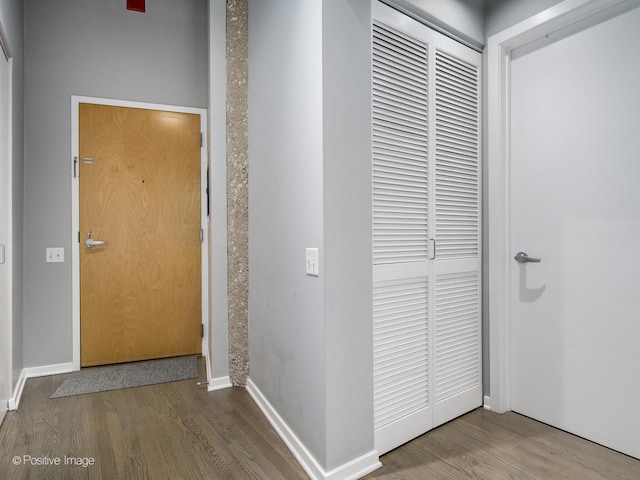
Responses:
[55,255]
[312,262]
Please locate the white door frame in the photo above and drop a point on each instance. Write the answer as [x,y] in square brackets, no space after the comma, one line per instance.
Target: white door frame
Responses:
[6,188]
[75,210]
[569,15]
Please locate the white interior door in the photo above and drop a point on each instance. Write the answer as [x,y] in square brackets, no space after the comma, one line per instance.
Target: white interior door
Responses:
[5,233]
[575,204]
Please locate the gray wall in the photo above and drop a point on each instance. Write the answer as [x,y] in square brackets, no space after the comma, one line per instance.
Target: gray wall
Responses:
[310,186]
[11,15]
[347,229]
[95,48]
[286,307]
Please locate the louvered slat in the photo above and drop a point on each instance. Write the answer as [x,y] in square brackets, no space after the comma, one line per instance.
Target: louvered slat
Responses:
[457,336]
[400,139]
[457,158]
[400,352]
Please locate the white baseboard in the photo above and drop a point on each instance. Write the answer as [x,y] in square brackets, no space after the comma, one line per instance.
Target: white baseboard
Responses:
[356,468]
[14,401]
[207,367]
[46,370]
[3,412]
[33,372]
[219,383]
[487,402]
[352,470]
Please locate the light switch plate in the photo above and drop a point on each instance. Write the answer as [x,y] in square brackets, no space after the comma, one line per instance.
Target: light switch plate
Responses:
[312,262]
[55,255]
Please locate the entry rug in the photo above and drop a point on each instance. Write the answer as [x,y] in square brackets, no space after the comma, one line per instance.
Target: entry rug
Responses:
[127,375]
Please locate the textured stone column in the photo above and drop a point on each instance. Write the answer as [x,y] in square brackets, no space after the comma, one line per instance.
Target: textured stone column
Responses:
[237,189]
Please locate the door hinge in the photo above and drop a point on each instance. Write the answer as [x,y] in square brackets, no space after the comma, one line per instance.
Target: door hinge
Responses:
[75,167]
[200,139]
[202,330]
[208,200]
[78,237]
[201,236]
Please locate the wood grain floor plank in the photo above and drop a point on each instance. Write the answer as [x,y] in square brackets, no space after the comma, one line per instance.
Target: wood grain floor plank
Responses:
[485,446]
[180,431]
[173,430]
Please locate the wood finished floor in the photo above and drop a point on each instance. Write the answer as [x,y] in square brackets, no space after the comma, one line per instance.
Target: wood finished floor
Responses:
[169,431]
[178,431]
[486,446]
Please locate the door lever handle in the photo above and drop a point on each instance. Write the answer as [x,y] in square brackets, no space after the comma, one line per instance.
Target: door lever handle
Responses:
[90,242]
[522,257]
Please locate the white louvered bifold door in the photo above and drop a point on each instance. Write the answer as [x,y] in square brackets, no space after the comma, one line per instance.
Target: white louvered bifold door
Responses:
[400,236]
[457,332]
[425,213]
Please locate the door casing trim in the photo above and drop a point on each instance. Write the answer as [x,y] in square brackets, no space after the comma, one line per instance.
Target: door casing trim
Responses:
[75,211]
[8,266]
[569,14]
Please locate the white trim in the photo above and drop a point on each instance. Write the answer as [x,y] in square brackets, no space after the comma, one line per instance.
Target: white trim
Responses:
[46,370]
[33,372]
[207,367]
[421,15]
[8,246]
[219,308]
[570,13]
[75,211]
[354,469]
[14,401]
[219,383]
[300,452]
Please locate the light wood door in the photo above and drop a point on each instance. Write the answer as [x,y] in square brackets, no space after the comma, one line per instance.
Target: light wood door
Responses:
[575,204]
[140,292]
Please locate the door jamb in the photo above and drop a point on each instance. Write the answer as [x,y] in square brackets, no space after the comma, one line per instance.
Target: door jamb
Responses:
[75,211]
[569,13]
[8,246]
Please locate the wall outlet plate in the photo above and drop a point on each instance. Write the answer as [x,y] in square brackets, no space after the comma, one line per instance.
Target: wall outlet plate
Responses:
[312,262]
[55,255]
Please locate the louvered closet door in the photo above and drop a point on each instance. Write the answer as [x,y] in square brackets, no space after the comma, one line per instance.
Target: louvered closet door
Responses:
[400,236]
[426,321]
[456,267]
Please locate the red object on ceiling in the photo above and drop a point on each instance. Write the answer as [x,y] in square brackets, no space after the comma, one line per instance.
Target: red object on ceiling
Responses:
[135,5]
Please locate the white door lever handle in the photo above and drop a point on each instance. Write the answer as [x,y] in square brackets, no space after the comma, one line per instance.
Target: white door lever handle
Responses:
[90,242]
